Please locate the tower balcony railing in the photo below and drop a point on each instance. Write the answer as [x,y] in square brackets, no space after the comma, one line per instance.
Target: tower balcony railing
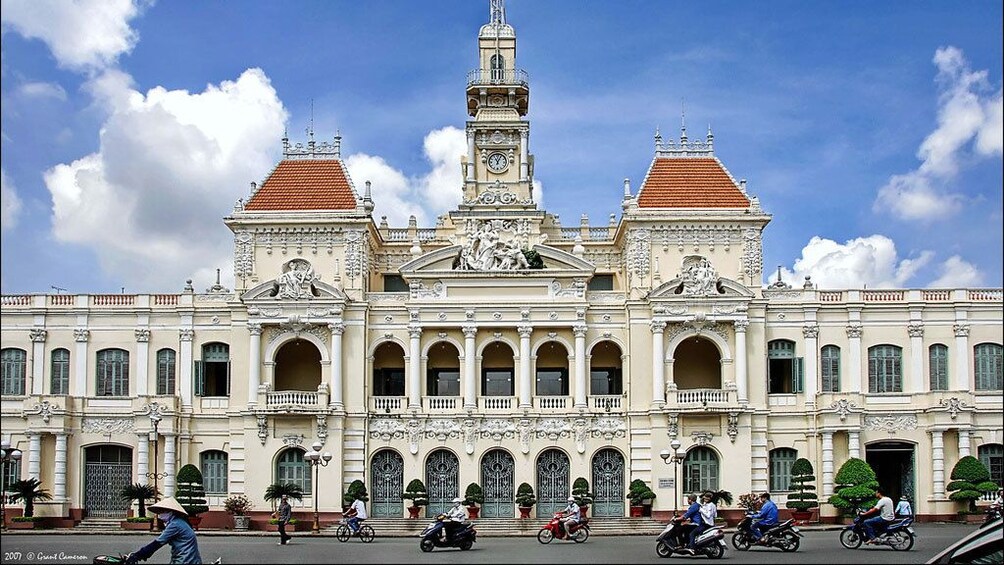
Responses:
[488,77]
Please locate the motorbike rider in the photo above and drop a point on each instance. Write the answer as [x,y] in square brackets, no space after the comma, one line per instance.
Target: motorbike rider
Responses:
[456,515]
[875,526]
[707,519]
[572,514]
[766,518]
[691,517]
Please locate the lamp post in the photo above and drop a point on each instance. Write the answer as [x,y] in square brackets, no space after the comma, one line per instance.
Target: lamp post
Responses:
[316,460]
[9,455]
[155,438]
[676,457]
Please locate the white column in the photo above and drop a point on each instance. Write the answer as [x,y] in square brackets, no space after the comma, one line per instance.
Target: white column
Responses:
[938,462]
[470,367]
[742,380]
[524,160]
[415,367]
[960,380]
[964,444]
[524,366]
[916,380]
[59,471]
[810,333]
[854,444]
[143,457]
[143,362]
[337,385]
[34,455]
[169,461]
[580,365]
[854,358]
[658,365]
[827,463]
[38,361]
[254,363]
[470,154]
[79,387]
[185,373]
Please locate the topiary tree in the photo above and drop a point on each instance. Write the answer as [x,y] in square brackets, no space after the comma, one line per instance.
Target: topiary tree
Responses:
[580,491]
[356,491]
[191,493]
[416,493]
[524,496]
[970,479]
[855,486]
[638,491]
[803,498]
[474,495]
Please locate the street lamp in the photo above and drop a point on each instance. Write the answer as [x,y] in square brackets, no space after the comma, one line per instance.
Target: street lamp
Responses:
[316,460]
[676,457]
[155,438]
[13,456]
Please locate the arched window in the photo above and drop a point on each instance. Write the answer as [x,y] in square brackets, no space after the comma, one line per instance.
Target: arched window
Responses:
[700,470]
[830,368]
[165,372]
[14,363]
[784,370]
[987,366]
[113,373]
[498,67]
[992,455]
[60,372]
[214,471]
[937,362]
[291,468]
[885,369]
[781,460]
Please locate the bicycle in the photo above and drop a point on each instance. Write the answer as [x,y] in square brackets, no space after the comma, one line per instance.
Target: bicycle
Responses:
[343,533]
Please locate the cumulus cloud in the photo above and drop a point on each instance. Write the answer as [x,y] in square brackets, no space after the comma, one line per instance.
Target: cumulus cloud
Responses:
[10,204]
[82,34]
[957,273]
[42,90]
[862,262]
[393,193]
[970,123]
[170,163]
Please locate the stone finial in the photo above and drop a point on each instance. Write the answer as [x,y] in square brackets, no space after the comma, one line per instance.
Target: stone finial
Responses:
[627,188]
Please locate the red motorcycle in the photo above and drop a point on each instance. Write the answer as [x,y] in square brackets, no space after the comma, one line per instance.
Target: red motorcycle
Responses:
[556,530]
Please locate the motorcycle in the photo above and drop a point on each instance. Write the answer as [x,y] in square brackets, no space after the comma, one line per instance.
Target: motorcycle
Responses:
[898,535]
[433,535]
[122,558]
[673,540]
[784,536]
[556,530]
[993,513]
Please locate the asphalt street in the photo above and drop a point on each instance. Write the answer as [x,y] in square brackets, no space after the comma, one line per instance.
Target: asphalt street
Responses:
[817,547]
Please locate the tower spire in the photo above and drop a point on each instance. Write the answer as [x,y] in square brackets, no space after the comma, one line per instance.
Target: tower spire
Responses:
[683,122]
[497,15]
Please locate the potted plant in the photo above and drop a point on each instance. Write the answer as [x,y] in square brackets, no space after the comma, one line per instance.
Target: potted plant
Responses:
[855,487]
[970,479]
[139,492]
[472,497]
[238,506]
[416,493]
[638,493]
[525,499]
[749,502]
[356,491]
[191,494]
[27,491]
[584,498]
[803,497]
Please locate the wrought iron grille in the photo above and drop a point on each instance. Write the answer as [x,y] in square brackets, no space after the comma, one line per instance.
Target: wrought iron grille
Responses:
[553,485]
[442,479]
[498,475]
[103,483]
[387,478]
[608,483]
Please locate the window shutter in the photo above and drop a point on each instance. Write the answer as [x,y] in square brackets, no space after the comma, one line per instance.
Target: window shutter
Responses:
[229,365]
[798,376]
[200,378]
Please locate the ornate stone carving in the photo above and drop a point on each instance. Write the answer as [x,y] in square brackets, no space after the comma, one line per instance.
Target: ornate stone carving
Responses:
[322,428]
[702,438]
[580,430]
[337,328]
[752,259]
[293,440]
[673,425]
[810,331]
[485,250]
[295,326]
[553,428]
[469,429]
[579,330]
[296,281]
[741,325]
[38,335]
[961,330]
[442,429]
[45,409]
[953,406]
[638,254]
[186,335]
[699,277]
[575,289]
[843,407]
[854,331]
[142,335]
[891,422]
[608,428]
[356,259]
[497,429]
[915,330]
[525,430]
[81,335]
[243,253]
[106,426]
[413,429]
[263,429]
[419,290]
[733,428]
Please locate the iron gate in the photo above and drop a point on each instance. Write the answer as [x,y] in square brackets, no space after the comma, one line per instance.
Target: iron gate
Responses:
[387,478]
[442,479]
[107,469]
[608,483]
[498,474]
[553,486]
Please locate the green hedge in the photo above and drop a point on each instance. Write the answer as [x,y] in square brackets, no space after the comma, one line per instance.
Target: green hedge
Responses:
[855,486]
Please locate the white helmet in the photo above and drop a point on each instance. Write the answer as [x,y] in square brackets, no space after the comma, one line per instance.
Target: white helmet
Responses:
[458,500]
[571,499]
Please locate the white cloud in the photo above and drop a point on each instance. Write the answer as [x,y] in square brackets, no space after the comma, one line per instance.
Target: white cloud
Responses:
[393,194]
[82,34]
[42,90]
[862,262]
[970,121]
[170,163]
[442,188]
[10,204]
[957,273]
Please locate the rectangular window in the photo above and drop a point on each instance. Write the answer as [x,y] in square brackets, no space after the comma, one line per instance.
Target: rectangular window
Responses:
[601,282]
[885,369]
[988,366]
[60,383]
[12,474]
[214,472]
[165,372]
[605,380]
[14,368]
[113,373]
[992,457]
[784,370]
[212,373]
[496,382]
[552,382]
[443,382]
[830,368]
[388,382]
[394,283]
[938,365]
[781,461]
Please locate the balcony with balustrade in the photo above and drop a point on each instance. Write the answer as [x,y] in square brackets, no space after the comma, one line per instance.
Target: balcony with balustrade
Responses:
[702,399]
[293,401]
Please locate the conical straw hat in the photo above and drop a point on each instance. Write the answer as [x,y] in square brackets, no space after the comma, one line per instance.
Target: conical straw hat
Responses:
[169,503]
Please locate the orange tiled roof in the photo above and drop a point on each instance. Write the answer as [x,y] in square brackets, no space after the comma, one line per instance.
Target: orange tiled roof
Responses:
[305,184]
[690,183]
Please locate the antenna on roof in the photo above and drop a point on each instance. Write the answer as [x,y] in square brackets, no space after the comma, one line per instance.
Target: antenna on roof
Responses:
[310,129]
[683,122]
[58,289]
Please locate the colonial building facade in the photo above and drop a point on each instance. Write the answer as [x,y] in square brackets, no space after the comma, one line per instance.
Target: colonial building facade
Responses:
[499,346]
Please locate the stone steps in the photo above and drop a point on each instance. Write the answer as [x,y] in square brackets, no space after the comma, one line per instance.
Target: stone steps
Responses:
[99,524]
[499,527]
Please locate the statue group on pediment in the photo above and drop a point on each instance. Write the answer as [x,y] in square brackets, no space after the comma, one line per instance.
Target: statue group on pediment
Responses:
[296,280]
[485,251]
[699,277]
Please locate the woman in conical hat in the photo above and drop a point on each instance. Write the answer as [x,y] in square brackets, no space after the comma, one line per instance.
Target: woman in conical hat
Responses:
[177,532]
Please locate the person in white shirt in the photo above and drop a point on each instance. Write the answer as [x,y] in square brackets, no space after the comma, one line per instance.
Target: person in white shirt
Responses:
[457,515]
[708,514]
[903,509]
[356,514]
[572,514]
[878,524]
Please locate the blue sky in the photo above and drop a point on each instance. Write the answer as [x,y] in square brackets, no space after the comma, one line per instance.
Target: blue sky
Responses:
[872,131]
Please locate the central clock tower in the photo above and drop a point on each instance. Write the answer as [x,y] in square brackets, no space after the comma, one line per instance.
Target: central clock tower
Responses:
[498,169]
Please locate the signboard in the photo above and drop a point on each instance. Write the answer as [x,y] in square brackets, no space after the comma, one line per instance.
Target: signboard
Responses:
[666,483]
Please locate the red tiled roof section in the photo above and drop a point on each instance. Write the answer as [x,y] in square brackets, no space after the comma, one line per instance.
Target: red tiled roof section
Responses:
[690,183]
[307,184]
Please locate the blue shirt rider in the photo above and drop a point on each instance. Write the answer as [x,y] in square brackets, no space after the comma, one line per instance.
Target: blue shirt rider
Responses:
[693,514]
[177,532]
[765,518]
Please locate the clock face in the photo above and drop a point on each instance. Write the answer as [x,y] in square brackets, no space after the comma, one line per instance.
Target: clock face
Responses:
[498,162]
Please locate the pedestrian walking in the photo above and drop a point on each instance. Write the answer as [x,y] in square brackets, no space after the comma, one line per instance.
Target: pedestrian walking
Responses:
[283,515]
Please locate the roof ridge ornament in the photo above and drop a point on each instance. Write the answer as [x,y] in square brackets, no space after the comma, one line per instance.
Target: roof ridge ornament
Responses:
[313,149]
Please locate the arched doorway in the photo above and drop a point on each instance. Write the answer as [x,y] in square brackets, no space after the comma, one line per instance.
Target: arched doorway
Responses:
[498,474]
[442,479]
[893,462]
[443,371]
[298,366]
[387,482]
[605,373]
[552,370]
[497,369]
[697,363]
[388,370]
[608,483]
[107,468]
[553,486]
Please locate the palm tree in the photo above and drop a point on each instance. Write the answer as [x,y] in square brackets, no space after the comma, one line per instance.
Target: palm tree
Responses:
[275,491]
[28,491]
[720,496]
[140,492]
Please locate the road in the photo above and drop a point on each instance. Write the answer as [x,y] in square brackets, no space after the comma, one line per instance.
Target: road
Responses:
[817,547]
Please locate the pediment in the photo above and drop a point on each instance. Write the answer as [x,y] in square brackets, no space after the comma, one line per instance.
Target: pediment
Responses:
[268,291]
[723,288]
[444,261]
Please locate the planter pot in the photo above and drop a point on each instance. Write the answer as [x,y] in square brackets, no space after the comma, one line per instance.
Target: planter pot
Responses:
[242,523]
[25,525]
[413,511]
[585,511]
[972,518]
[524,511]
[135,526]
[195,521]
[801,516]
[473,512]
[636,511]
